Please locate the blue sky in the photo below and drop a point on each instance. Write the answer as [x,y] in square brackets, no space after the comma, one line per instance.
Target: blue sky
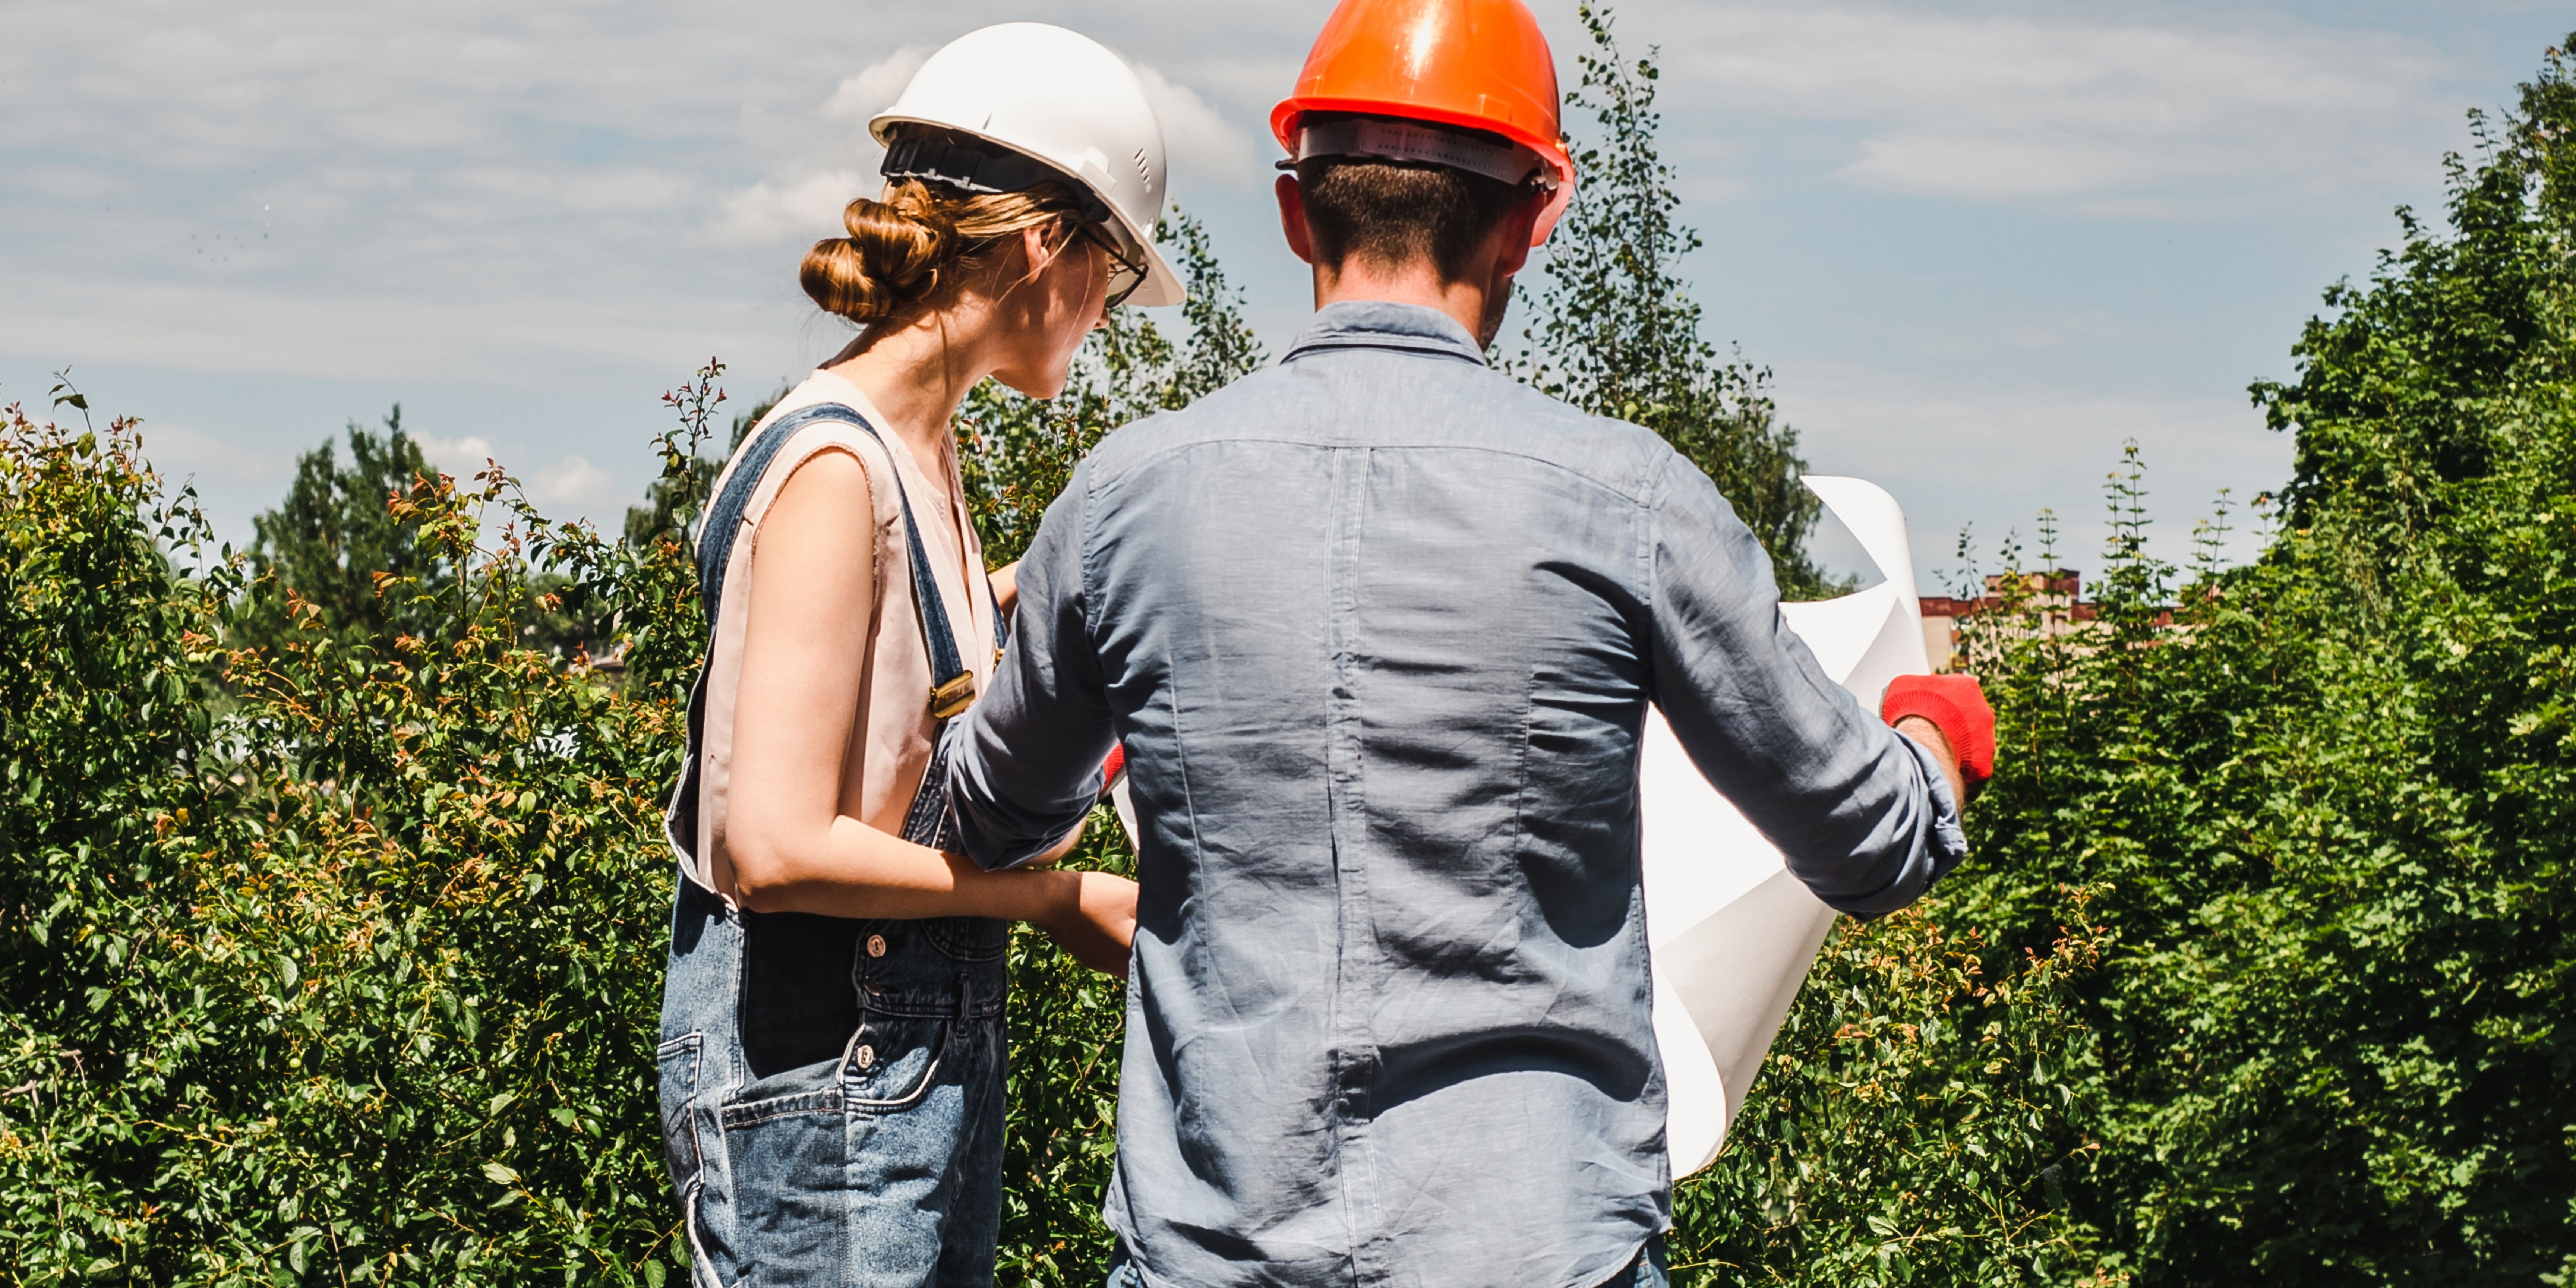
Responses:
[1979,244]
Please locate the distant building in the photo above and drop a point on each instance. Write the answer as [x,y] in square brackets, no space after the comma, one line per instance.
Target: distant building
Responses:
[2059,595]
[608,658]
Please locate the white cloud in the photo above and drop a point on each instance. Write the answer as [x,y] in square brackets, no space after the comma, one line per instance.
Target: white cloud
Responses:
[790,210]
[570,205]
[180,452]
[2115,118]
[463,457]
[1199,143]
[804,201]
[1977,452]
[859,98]
[572,484]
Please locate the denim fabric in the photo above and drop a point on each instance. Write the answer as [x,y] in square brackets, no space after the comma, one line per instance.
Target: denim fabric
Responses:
[1378,628]
[878,1163]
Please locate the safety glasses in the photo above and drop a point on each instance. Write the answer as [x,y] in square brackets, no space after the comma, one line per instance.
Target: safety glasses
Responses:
[1125,274]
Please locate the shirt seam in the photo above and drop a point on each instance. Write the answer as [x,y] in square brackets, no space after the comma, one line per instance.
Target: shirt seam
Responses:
[1650,544]
[1433,348]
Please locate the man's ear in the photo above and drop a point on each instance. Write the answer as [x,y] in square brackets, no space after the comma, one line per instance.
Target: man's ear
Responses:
[1292,217]
[1520,224]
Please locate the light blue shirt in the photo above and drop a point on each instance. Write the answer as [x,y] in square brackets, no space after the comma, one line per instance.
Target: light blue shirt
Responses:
[1377,627]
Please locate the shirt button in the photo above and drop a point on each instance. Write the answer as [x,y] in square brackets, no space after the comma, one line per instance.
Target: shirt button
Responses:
[876,945]
[866,1058]
[874,988]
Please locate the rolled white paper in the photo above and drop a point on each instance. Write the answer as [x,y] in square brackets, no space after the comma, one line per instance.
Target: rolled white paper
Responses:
[1731,932]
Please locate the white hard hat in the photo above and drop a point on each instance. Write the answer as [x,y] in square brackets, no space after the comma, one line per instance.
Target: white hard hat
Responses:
[1050,94]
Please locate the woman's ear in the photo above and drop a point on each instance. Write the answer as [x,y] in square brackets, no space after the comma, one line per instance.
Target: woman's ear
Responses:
[1035,251]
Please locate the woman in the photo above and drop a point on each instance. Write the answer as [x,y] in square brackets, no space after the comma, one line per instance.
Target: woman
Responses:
[832,1055]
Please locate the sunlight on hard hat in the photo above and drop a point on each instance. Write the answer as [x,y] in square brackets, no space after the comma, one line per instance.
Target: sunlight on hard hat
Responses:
[1426,39]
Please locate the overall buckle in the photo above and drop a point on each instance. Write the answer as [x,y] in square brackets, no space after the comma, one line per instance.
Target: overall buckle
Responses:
[952,697]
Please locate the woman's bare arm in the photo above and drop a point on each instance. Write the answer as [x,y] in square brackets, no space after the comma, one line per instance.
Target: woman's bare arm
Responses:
[812,584]
[1006,587]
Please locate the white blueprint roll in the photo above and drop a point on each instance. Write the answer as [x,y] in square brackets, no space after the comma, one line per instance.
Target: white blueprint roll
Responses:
[1732,933]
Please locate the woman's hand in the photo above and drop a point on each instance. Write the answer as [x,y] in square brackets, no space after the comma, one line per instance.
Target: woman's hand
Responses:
[1095,920]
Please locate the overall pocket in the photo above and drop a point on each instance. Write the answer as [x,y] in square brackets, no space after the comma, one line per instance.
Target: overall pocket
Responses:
[894,1061]
[787,1151]
[677,1063]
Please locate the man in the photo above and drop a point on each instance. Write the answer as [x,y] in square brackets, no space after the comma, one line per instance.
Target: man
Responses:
[1377,628]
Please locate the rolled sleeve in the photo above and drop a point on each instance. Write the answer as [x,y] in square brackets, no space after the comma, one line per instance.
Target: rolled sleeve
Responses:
[1860,813]
[1024,763]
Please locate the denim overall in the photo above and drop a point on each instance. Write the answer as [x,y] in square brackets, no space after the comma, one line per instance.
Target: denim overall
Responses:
[832,1088]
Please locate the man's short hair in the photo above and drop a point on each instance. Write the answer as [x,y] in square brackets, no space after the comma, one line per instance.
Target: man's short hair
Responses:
[1392,213]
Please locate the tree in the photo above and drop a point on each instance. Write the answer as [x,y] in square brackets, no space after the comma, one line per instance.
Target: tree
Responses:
[1614,329]
[2260,968]
[324,545]
[343,555]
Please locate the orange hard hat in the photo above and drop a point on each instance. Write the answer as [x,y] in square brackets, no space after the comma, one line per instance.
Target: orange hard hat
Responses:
[1481,64]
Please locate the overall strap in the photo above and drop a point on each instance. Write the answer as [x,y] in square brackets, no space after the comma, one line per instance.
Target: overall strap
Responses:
[723,518]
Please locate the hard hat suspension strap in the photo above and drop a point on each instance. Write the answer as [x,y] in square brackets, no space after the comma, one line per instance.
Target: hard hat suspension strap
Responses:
[958,163]
[1406,141]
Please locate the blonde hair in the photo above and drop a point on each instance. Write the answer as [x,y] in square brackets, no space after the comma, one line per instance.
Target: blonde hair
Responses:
[917,242]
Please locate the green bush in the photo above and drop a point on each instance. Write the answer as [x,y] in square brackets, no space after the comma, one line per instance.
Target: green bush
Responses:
[2325,809]
[1911,1122]
[357,981]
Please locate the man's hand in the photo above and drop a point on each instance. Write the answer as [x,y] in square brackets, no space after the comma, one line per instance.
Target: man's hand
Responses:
[1948,715]
[1095,920]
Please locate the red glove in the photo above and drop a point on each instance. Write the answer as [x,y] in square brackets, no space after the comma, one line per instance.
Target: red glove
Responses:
[1956,705]
[1112,768]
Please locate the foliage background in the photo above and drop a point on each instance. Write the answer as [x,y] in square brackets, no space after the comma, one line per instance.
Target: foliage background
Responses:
[332,912]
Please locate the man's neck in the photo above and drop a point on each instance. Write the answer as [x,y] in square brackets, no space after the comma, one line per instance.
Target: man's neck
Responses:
[1416,283]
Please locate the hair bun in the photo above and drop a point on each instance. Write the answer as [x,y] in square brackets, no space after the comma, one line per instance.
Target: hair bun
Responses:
[892,257]
[908,247]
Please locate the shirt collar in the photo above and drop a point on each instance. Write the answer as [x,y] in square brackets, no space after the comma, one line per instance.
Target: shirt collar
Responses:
[1383,324]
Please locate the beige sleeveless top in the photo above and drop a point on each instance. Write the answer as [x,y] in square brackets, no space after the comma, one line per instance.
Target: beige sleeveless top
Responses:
[890,747]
